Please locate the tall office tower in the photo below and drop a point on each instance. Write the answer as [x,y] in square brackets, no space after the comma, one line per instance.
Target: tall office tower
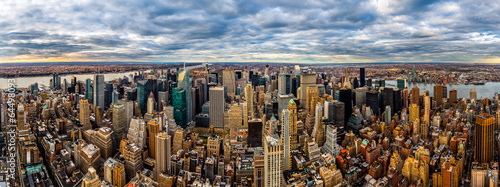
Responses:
[216,102]
[73,84]
[119,121]
[427,108]
[415,96]
[485,131]
[473,94]
[438,95]
[339,113]
[405,98]
[445,91]
[249,98]
[133,160]
[234,117]
[162,100]
[64,86]
[89,157]
[311,94]
[360,94]
[178,137]
[362,76]
[137,133]
[328,113]
[85,114]
[345,97]
[373,101]
[292,108]
[180,106]
[388,116]
[401,84]
[88,87]
[151,103]
[142,91]
[56,81]
[331,145]
[154,129]
[91,179]
[163,161]
[108,94]
[99,91]
[285,138]
[388,98]
[397,101]
[453,96]
[273,153]
[255,131]
[185,83]
[414,112]
[283,101]
[229,80]
[306,80]
[319,129]
[129,110]
[282,83]
[102,140]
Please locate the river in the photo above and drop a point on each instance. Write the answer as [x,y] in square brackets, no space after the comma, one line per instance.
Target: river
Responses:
[24,82]
[463,91]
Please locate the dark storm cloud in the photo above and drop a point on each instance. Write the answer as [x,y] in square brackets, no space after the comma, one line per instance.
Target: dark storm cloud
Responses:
[241,30]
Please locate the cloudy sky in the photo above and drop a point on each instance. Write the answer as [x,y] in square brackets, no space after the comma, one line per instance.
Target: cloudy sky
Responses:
[250,31]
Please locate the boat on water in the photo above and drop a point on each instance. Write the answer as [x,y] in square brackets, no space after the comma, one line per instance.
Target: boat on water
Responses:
[479,82]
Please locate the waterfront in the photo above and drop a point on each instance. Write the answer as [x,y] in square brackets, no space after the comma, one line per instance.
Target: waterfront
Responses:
[487,90]
[24,82]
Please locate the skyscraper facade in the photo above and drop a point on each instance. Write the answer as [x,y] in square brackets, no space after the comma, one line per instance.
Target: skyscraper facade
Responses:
[179,103]
[362,77]
[216,102]
[306,80]
[229,80]
[85,114]
[292,108]
[163,161]
[184,81]
[285,138]
[249,98]
[99,91]
[119,121]
[485,131]
[438,95]
[273,155]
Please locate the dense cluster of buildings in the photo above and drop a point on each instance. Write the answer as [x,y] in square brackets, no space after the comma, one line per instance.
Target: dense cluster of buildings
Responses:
[250,126]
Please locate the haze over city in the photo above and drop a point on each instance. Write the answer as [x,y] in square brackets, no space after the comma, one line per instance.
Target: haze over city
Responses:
[307,31]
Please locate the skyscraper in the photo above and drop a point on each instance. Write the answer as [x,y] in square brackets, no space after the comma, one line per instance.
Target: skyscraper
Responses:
[184,81]
[85,114]
[56,81]
[282,83]
[119,124]
[453,96]
[362,76]
[99,91]
[306,80]
[179,103]
[163,162]
[415,96]
[414,112]
[373,101]
[345,97]
[285,138]
[438,95]
[89,94]
[216,102]
[154,129]
[229,80]
[427,108]
[273,154]
[485,131]
[249,98]
[292,108]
